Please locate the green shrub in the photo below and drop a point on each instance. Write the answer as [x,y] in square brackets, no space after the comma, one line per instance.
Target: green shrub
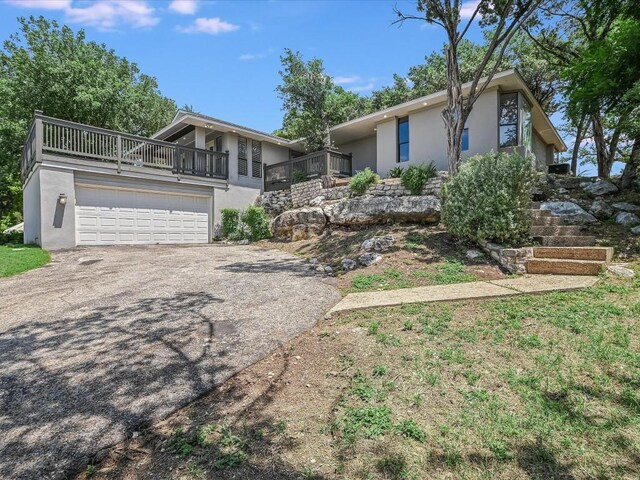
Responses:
[257,222]
[489,198]
[230,221]
[414,177]
[361,180]
[396,172]
[11,238]
[299,176]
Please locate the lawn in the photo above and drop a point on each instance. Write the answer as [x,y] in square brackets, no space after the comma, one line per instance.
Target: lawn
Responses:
[20,258]
[525,387]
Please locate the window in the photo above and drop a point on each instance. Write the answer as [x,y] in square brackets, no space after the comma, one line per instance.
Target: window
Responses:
[243,168]
[218,144]
[465,139]
[508,119]
[403,139]
[256,159]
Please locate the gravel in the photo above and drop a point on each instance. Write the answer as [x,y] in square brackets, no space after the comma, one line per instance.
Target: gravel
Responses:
[93,351]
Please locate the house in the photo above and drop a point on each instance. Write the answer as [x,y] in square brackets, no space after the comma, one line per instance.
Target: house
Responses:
[90,186]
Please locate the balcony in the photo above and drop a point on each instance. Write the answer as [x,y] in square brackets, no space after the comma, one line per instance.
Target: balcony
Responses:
[60,138]
[328,162]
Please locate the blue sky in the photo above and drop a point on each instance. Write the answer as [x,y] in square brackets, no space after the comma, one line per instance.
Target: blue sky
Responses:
[223,57]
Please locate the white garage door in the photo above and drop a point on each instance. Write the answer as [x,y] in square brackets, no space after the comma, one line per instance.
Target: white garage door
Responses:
[107,216]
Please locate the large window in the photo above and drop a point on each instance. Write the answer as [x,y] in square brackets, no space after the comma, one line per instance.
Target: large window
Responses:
[465,139]
[403,139]
[508,120]
[256,159]
[243,168]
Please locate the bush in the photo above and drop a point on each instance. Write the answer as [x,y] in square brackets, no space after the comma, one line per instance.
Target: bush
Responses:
[396,172]
[230,221]
[489,198]
[414,177]
[361,180]
[257,222]
[299,176]
[11,238]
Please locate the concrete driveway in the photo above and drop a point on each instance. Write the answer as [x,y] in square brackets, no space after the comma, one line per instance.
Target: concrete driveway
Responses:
[106,340]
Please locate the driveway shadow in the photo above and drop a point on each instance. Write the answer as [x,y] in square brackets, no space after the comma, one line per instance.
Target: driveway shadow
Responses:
[78,384]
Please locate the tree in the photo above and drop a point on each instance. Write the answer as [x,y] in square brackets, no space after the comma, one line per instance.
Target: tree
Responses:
[312,102]
[505,17]
[606,79]
[50,68]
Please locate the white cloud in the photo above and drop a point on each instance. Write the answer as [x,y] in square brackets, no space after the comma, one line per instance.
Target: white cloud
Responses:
[362,88]
[212,26]
[344,80]
[103,14]
[467,9]
[184,7]
[256,56]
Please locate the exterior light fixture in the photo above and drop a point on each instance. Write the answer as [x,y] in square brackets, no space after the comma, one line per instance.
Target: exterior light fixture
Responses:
[62,199]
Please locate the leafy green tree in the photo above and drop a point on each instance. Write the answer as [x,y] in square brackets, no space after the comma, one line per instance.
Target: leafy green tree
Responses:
[48,67]
[312,102]
[504,18]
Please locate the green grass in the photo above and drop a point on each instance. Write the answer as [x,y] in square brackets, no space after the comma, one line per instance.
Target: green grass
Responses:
[447,272]
[16,259]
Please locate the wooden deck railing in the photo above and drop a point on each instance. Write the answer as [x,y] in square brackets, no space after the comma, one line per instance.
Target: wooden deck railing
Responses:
[325,162]
[74,140]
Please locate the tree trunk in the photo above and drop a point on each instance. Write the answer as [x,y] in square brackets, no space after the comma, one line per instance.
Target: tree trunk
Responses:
[602,156]
[631,168]
[453,115]
[576,145]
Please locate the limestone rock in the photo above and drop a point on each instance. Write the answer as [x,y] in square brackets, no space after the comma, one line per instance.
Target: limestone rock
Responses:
[636,230]
[312,220]
[348,264]
[317,201]
[601,187]
[600,208]
[627,219]
[621,271]
[570,212]
[473,254]
[19,228]
[370,258]
[378,244]
[328,270]
[370,210]
[627,207]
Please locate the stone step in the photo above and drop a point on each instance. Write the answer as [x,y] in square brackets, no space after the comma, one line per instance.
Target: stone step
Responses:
[543,221]
[600,254]
[567,241]
[557,230]
[564,267]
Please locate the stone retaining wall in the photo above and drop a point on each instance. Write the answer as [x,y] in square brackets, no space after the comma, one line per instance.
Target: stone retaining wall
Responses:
[513,260]
[392,187]
[274,203]
[302,193]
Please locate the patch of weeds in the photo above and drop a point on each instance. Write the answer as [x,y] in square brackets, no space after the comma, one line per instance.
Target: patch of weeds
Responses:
[448,272]
[373,327]
[229,460]
[233,452]
[469,336]
[529,341]
[410,429]
[476,395]
[366,422]
[281,427]
[388,339]
[453,354]
[179,443]
[471,377]
[195,471]
[91,470]
[366,282]
[393,273]
[408,325]
[346,362]
[414,241]
[201,437]
[362,387]
[324,334]
[412,308]
[380,370]
[436,323]
[432,378]
[417,399]
[499,449]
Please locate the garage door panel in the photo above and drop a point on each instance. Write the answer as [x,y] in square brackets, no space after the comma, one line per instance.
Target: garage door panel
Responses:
[110,216]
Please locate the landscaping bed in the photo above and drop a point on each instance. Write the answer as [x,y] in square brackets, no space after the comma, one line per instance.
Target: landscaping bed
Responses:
[419,256]
[16,259]
[529,387]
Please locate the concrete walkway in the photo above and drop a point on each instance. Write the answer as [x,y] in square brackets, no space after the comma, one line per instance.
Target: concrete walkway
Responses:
[464,291]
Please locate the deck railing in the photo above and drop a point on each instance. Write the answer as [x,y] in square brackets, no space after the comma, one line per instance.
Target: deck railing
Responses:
[75,140]
[325,162]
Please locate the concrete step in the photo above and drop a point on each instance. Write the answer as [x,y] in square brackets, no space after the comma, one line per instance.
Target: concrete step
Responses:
[544,221]
[566,241]
[557,230]
[599,254]
[564,267]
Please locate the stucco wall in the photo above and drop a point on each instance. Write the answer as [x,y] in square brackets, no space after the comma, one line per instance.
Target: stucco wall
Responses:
[542,151]
[236,196]
[427,136]
[31,202]
[57,222]
[363,153]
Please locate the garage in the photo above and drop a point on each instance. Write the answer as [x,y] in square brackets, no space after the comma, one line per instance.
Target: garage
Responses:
[120,216]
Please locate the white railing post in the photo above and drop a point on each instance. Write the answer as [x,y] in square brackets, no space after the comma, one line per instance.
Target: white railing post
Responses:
[119,152]
[38,132]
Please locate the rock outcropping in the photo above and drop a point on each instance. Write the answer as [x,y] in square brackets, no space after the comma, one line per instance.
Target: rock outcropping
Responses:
[299,224]
[371,210]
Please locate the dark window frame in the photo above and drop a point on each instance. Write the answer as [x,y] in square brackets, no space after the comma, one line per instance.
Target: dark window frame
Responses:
[402,120]
[517,120]
[243,164]
[256,159]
